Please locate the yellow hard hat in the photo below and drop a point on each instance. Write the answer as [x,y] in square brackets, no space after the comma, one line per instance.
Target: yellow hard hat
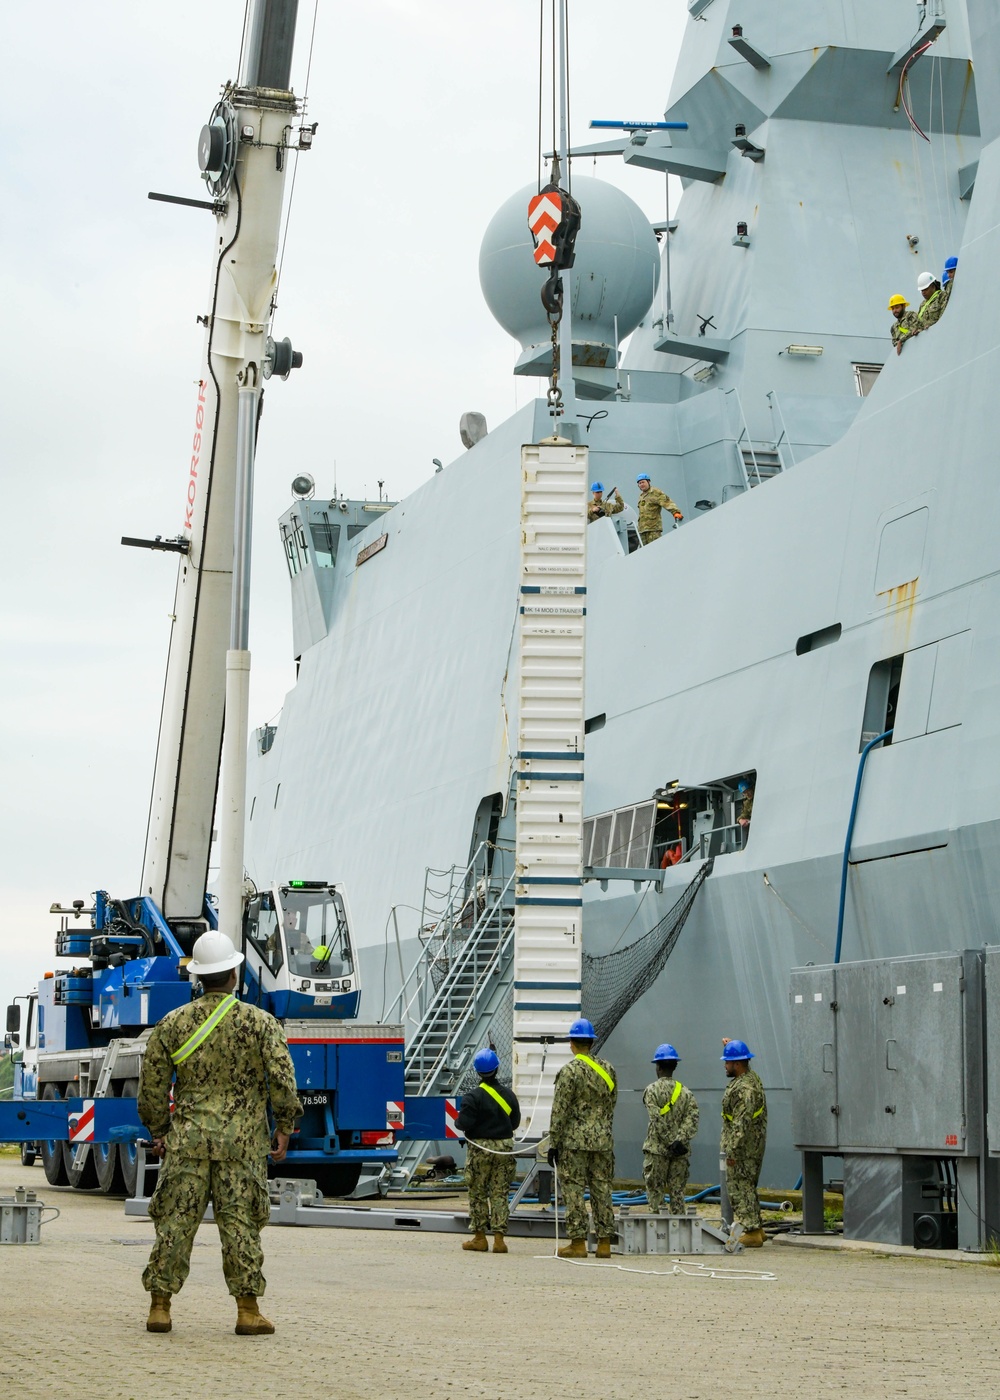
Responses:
[897,300]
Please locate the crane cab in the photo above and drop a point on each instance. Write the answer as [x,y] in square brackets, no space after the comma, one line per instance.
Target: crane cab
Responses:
[300,956]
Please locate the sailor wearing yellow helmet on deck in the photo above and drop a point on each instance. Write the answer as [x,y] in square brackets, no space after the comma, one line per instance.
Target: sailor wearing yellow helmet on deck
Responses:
[904,323]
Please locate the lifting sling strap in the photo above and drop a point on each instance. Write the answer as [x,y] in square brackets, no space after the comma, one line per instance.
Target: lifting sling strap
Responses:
[500,1100]
[678,1088]
[598,1069]
[205,1029]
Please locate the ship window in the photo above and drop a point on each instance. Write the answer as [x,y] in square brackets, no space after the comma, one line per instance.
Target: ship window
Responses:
[865,377]
[291,552]
[325,538]
[591,726]
[705,819]
[881,700]
[353,530]
[812,641]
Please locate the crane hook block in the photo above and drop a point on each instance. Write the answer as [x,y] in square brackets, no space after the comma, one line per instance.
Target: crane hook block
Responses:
[554,221]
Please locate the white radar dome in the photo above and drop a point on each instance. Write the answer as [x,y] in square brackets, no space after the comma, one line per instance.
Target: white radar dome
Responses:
[616,273]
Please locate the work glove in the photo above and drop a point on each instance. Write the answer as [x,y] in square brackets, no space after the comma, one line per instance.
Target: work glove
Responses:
[677,516]
[678,1148]
[552,1156]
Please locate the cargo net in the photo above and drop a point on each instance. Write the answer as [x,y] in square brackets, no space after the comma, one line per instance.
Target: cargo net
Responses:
[612,983]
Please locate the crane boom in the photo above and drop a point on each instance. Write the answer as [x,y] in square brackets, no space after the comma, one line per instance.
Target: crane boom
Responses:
[244,157]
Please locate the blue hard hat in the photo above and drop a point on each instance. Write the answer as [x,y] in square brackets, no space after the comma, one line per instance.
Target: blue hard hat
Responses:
[737,1050]
[951,264]
[485,1061]
[597,486]
[665,1052]
[644,476]
[582,1030]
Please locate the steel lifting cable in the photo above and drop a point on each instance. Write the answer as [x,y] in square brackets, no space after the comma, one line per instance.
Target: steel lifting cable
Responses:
[295,153]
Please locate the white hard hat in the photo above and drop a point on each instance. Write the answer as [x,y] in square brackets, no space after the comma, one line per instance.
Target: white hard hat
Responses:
[213,952]
[925,280]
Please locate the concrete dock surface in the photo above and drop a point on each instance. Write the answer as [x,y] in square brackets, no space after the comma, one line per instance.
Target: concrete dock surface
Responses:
[380,1315]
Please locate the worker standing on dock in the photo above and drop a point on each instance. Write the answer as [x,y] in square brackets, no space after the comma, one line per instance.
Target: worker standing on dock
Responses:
[744,1133]
[581,1142]
[673,1122]
[488,1117]
[652,502]
[227,1060]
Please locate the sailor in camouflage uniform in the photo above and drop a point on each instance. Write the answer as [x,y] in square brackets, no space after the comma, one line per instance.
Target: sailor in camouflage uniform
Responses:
[744,1132]
[488,1117]
[226,1060]
[673,1122]
[600,507]
[581,1144]
[651,503]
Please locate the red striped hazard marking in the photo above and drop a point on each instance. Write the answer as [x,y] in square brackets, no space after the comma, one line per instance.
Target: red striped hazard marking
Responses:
[450,1114]
[545,213]
[81,1129]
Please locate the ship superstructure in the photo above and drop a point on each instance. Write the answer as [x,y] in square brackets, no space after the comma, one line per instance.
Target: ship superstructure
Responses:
[834,575]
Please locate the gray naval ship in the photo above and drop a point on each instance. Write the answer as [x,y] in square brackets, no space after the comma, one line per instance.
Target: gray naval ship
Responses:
[834,577]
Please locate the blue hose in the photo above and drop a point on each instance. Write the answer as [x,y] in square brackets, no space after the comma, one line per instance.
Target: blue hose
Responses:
[850,832]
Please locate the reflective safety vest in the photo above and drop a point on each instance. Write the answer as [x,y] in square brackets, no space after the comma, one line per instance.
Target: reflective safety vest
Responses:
[499,1098]
[204,1030]
[599,1069]
[756,1114]
[678,1088]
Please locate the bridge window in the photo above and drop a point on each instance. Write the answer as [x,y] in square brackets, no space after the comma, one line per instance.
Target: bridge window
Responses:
[865,377]
[325,538]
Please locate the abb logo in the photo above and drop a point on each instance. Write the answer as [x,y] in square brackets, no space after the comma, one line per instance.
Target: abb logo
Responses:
[192,486]
[951,1140]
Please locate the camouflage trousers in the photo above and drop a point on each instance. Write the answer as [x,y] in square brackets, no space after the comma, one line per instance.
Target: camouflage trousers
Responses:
[741,1183]
[666,1176]
[581,1170]
[489,1185]
[648,536]
[238,1192]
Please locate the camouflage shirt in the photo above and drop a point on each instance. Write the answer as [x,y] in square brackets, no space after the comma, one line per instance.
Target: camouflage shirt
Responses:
[905,328]
[651,503]
[744,1116]
[222,1089]
[679,1123]
[583,1107]
[931,310]
[611,506]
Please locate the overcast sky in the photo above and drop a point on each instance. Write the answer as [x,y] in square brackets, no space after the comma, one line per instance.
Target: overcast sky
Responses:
[427,114]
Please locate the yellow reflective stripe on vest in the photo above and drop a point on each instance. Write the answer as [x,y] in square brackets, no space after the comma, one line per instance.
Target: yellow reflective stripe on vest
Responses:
[759,1111]
[598,1069]
[204,1030]
[678,1088]
[500,1100]
[755,1114]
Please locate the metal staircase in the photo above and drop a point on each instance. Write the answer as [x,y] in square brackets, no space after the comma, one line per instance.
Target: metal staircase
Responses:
[759,462]
[460,980]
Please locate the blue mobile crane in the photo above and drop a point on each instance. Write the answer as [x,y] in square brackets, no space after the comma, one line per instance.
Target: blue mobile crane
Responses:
[85,1028]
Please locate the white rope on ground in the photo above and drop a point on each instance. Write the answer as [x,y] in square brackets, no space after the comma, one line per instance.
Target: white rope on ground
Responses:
[705,1271]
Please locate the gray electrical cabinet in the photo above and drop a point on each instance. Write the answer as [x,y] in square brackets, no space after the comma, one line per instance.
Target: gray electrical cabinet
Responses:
[887,1055]
[892,1067]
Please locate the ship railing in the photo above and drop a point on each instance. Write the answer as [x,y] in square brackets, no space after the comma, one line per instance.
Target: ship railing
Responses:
[454,903]
[782,437]
[469,982]
[721,841]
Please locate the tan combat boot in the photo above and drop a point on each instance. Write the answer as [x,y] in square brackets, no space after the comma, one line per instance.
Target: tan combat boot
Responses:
[477,1243]
[604,1249]
[159,1313]
[250,1321]
[576,1249]
[752,1239]
[499,1247]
